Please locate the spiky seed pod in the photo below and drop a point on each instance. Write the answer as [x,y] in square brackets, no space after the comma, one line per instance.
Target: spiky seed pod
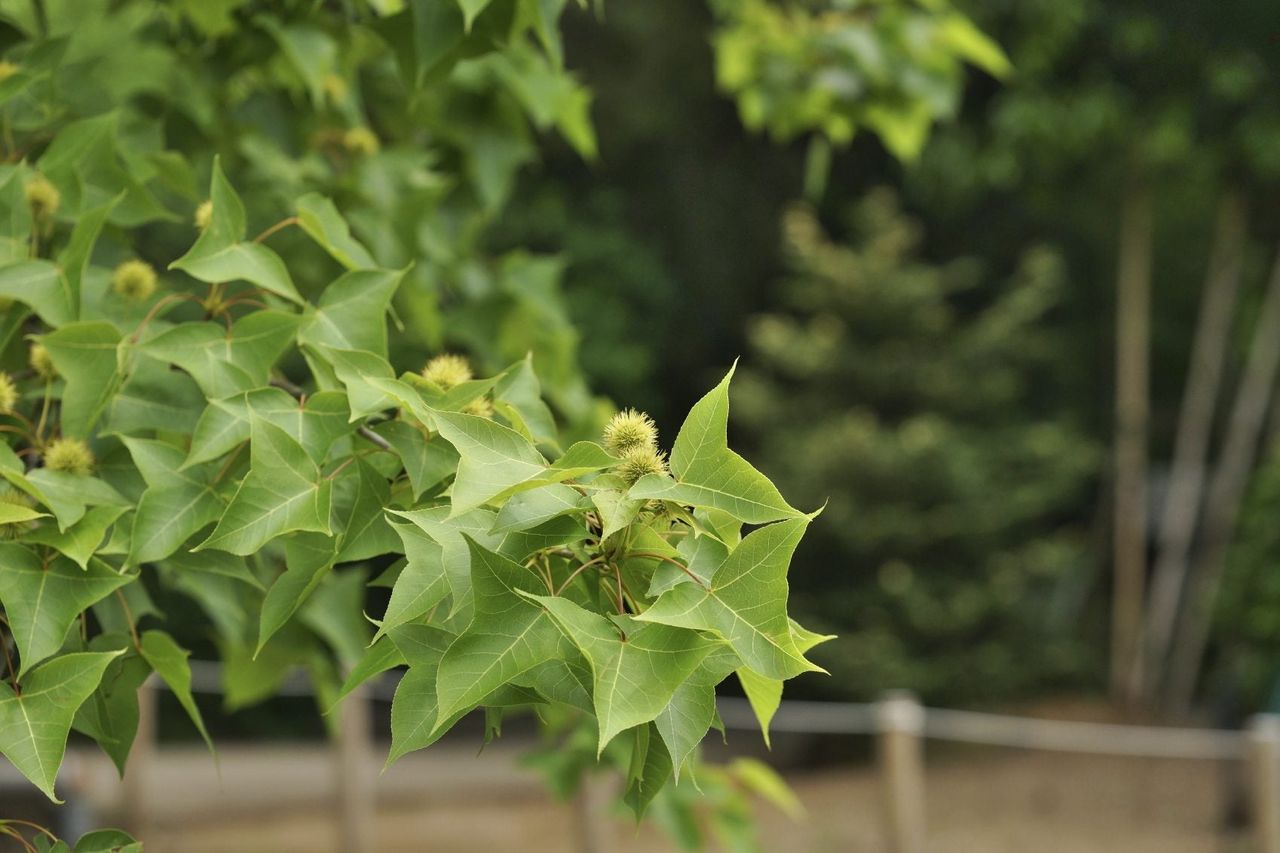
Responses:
[447,370]
[70,455]
[43,198]
[134,280]
[481,407]
[8,393]
[8,69]
[13,497]
[361,141]
[204,214]
[639,461]
[630,430]
[40,361]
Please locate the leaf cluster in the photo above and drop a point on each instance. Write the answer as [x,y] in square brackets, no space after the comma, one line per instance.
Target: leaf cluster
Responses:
[259,453]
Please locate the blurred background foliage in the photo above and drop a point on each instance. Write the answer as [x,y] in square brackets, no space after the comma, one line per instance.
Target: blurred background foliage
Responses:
[941,362]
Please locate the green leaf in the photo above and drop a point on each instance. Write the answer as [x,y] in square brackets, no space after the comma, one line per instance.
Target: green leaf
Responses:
[414,707]
[153,395]
[221,255]
[764,694]
[80,541]
[282,492]
[709,474]
[214,563]
[110,716]
[470,9]
[352,312]
[497,462]
[426,462]
[636,667]
[692,710]
[356,369]
[422,583]
[42,602]
[448,530]
[41,285]
[177,504]
[169,660]
[746,602]
[323,223]
[536,506]
[493,458]
[508,634]
[66,495]
[381,655]
[74,259]
[15,514]
[225,362]
[34,725]
[649,772]
[519,388]
[107,841]
[360,500]
[308,558]
[315,424]
[615,510]
[87,357]
[702,556]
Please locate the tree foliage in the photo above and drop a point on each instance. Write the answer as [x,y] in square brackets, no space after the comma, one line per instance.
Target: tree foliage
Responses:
[886,384]
[223,391]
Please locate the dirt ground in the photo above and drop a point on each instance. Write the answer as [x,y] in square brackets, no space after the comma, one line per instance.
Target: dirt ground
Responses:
[450,800]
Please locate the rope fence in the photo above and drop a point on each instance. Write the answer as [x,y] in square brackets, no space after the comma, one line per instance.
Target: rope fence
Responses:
[898,722]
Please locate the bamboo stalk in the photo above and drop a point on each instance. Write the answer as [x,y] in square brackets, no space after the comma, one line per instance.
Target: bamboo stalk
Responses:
[1133,337]
[1181,509]
[1226,490]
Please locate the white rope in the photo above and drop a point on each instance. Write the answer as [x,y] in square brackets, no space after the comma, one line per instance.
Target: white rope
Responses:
[860,718]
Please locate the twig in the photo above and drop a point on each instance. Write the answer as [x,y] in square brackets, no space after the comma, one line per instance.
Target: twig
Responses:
[8,659]
[128,617]
[655,556]
[577,572]
[155,309]
[282,224]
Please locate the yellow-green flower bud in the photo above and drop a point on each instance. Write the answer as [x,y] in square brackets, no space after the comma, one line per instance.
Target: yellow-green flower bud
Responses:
[13,497]
[43,198]
[630,430]
[447,370]
[204,214]
[640,461]
[8,393]
[70,455]
[335,88]
[8,69]
[361,141]
[41,363]
[481,407]
[134,280]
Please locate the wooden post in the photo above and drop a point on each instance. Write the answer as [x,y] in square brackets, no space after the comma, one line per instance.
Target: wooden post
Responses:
[1133,344]
[590,827]
[900,723]
[137,811]
[357,800]
[1264,771]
